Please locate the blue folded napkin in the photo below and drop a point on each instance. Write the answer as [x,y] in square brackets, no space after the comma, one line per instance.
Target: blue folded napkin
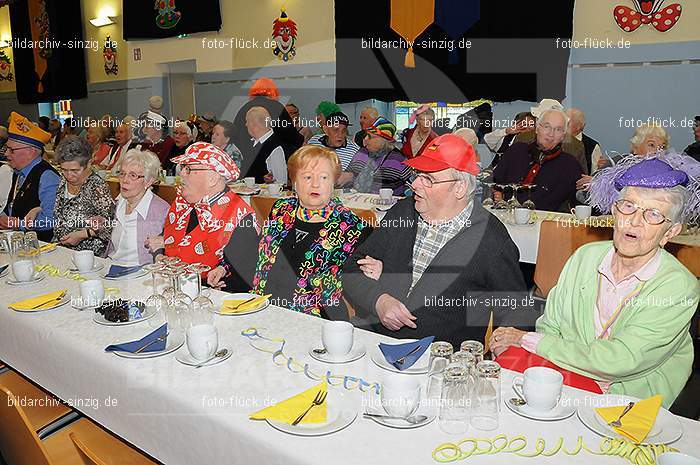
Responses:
[393,352]
[116,271]
[133,346]
[3,268]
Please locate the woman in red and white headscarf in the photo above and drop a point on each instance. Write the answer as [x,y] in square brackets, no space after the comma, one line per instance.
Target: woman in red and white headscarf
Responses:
[419,136]
[207,221]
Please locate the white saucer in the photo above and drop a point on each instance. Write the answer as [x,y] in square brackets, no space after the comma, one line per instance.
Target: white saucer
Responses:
[174,342]
[60,303]
[100,319]
[560,412]
[187,359]
[341,413]
[95,268]
[373,404]
[134,275]
[357,352]
[241,296]
[11,281]
[418,368]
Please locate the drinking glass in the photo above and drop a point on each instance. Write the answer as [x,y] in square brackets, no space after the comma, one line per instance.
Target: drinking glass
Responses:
[529,204]
[181,303]
[201,302]
[486,398]
[33,247]
[475,348]
[465,359]
[455,400]
[440,353]
[501,204]
[155,301]
[513,201]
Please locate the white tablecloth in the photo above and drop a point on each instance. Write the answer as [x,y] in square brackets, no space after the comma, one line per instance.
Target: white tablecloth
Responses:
[168,409]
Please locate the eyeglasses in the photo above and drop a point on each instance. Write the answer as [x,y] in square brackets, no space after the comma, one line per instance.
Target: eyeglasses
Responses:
[129,176]
[429,182]
[187,169]
[549,128]
[9,150]
[651,215]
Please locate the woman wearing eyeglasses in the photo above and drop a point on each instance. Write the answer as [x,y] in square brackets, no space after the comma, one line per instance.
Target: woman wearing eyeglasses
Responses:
[84,207]
[621,311]
[140,214]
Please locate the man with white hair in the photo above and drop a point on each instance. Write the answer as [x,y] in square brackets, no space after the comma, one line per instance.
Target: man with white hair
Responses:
[438,256]
[123,137]
[269,158]
[543,164]
[367,117]
[594,156]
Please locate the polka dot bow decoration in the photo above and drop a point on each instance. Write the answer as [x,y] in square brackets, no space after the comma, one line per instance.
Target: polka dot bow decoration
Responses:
[662,18]
[212,156]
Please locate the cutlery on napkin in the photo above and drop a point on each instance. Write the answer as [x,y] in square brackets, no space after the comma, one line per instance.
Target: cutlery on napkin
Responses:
[403,356]
[242,305]
[288,410]
[152,342]
[637,423]
[39,302]
[116,271]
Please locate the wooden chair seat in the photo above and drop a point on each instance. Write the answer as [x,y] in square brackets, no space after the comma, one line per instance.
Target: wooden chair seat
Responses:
[42,408]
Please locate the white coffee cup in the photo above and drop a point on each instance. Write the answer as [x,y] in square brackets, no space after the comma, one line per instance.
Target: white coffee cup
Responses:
[676,458]
[386,193]
[522,215]
[23,270]
[582,211]
[92,292]
[249,182]
[337,337]
[84,260]
[400,395]
[540,387]
[274,188]
[202,341]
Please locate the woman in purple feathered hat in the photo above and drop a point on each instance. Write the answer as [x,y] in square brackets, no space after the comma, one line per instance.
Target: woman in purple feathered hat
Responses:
[621,310]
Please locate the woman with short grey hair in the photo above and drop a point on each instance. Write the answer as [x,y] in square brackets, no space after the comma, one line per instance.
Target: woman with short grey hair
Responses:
[84,207]
[139,213]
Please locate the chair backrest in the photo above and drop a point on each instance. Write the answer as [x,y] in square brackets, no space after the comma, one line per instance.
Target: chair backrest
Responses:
[262,207]
[18,442]
[556,244]
[88,456]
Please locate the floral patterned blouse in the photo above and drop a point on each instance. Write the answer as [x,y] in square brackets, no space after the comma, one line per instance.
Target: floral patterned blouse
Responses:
[72,213]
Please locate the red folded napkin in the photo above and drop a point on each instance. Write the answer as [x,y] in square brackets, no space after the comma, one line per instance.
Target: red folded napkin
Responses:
[519,359]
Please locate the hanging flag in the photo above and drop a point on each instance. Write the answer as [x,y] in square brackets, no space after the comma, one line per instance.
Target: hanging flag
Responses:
[409,18]
[49,50]
[511,52]
[489,333]
[157,19]
[456,18]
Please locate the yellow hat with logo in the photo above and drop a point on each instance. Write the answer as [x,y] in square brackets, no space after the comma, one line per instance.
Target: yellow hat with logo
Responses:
[23,130]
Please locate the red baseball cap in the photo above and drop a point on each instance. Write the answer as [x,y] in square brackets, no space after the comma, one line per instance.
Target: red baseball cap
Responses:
[446,151]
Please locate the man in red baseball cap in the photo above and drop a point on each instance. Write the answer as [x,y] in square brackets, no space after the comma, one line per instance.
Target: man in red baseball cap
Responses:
[439,262]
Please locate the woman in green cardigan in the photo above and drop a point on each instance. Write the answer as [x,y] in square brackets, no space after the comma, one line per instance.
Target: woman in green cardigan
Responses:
[621,311]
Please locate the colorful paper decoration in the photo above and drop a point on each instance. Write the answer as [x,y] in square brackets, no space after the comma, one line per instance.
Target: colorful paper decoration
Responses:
[409,18]
[168,16]
[456,18]
[5,67]
[662,18]
[40,29]
[109,53]
[284,31]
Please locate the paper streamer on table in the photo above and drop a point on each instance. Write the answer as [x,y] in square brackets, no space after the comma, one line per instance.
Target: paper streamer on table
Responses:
[280,359]
[55,272]
[634,453]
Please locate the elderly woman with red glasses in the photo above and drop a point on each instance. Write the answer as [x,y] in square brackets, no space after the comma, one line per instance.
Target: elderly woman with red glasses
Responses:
[621,310]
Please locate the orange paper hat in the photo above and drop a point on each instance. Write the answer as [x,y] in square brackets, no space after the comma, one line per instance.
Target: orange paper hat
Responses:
[23,130]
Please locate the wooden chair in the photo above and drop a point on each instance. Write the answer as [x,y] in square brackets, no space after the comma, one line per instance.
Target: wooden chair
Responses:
[557,243]
[44,410]
[80,443]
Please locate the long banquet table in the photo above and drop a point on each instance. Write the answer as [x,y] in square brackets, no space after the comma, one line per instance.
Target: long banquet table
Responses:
[182,415]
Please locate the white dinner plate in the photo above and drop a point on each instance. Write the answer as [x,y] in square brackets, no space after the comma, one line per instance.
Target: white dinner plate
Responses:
[64,300]
[666,429]
[374,405]
[95,268]
[341,413]
[562,411]
[80,305]
[147,313]
[11,280]
[418,368]
[134,275]
[357,352]
[187,359]
[241,296]
[175,340]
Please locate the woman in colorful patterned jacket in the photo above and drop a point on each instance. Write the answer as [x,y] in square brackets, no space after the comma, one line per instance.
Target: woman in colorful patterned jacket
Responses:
[307,239]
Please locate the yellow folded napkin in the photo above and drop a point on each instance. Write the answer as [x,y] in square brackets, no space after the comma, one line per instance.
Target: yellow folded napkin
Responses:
[230,307]
[288,410]
[35,303]
[48,247]
[637,423]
